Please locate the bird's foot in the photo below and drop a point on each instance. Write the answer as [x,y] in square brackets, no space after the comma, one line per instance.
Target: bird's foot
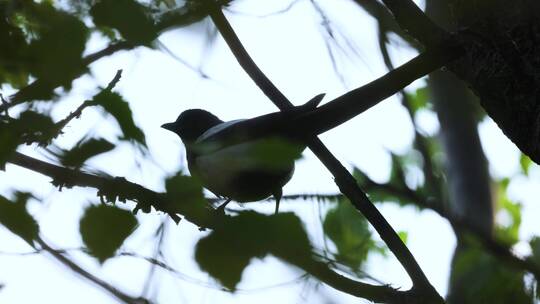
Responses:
[221,207]
[277,195]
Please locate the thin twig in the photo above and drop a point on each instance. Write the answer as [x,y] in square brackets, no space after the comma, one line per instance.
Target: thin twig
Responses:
[24,94]
[60,125]
[85,274]
[278,12]
[160,233]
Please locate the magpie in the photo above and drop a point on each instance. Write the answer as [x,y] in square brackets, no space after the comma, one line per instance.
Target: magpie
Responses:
[243,160]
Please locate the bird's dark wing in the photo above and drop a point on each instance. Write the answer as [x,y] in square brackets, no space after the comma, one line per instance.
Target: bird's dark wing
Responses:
[277,124]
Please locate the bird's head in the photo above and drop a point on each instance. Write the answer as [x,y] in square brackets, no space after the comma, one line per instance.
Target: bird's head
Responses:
[191,124]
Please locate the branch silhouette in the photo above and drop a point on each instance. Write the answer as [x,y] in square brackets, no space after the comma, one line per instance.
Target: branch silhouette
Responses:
[59,256]
[343,178]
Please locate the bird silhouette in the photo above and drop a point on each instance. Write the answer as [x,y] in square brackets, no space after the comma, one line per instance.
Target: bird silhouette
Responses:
[244,160]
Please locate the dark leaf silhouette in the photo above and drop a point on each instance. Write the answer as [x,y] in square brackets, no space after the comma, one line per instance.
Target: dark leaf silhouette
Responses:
[13,64]
[487,280]
[84,150]
[50,58]
[105,228]
[15,217]
[128,17]
[115,105]
[226,252]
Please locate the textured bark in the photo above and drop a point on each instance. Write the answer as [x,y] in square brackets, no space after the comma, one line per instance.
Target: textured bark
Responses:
[502,64]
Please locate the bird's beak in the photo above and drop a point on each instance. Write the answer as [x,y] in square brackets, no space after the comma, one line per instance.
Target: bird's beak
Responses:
[168,126]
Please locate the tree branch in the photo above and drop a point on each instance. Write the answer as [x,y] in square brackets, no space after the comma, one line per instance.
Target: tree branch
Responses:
[77,113]
[209,219]
[385,19]
[39,85]
[85,274]
[343,178]
[411,19]
[108,186]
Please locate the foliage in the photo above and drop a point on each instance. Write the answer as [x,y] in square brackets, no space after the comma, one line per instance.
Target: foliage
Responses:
[15,217]
[44,51]
[104,228]
[351,235]
[225,253]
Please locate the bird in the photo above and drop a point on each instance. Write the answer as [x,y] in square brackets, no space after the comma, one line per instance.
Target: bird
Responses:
[243,160]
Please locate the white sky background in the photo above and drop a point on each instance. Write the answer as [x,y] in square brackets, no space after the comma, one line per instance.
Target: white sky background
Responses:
[290,49]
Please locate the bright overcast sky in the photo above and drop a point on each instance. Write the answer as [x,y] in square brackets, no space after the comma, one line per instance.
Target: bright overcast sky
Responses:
[290,48]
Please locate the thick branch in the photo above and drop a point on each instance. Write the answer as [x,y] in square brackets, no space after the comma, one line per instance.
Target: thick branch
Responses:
[107,185]
[385,19]
[357,101]
[344,179]
[411,18]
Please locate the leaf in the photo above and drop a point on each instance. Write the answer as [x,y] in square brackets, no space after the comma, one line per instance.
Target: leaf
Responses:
[397,175]
[84,150]
[509,232]
[185,188]
[349,231]
[13,66]
[275,154]
[56,55]
[403,235]
[226,252]
[15,217]
[105,228]
[115,105]
[485,279]
[525,163]
[128,17]
[418,99]
[34,127]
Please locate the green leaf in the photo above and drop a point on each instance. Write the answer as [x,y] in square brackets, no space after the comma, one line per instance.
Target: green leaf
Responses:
[34,127]
[84,150]
[397,175]
[349,231]
[128,17]
[509,233]
[15,217]
[55,56]
[404,236]
[226,252]
[105,228]
[13,65]
[485,279]
[274,154]
[115,105]
[185,188]
[525,163]
[418,100]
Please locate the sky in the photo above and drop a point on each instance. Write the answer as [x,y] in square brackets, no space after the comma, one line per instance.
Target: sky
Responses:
[290,48]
